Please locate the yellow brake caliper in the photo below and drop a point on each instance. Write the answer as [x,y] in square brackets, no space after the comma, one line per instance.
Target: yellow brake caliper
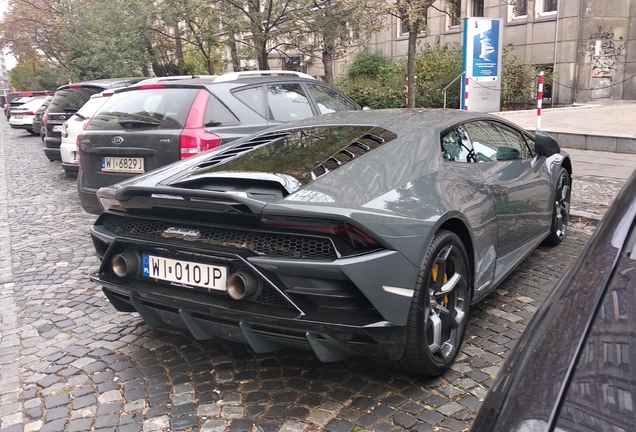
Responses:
[434,274]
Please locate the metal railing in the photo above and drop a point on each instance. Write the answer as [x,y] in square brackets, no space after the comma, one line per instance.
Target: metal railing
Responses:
[444,91]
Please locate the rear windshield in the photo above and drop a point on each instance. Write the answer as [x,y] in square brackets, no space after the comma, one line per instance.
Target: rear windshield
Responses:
[91,107]
[71,99]
[164,108]
[307,154]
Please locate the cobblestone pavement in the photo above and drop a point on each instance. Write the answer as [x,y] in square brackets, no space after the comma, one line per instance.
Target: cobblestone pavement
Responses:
[69,362]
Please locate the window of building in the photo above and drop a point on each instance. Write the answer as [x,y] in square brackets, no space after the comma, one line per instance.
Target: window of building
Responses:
[609,394]
[619,298]
[590,352]
[548,6]
[456,14]
[518,9]
[478,8]
[623,353]
[404,30]
[625,399]
[608,352]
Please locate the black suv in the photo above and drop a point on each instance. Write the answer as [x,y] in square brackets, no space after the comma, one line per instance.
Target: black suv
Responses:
[66,101]
[152,124]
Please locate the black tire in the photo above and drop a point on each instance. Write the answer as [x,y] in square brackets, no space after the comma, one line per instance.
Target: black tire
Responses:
[561,209]
[440,308]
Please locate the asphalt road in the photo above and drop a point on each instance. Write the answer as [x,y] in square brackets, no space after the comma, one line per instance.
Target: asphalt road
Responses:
[69,362]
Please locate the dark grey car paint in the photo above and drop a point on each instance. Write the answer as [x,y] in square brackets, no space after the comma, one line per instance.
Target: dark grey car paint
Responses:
[403,203]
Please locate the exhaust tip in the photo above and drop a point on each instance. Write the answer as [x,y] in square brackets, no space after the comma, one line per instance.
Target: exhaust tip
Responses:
[243,284]
[125,264]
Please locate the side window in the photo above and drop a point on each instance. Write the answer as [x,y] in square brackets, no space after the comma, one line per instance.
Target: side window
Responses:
[456,146]
[287,102]
[216,114]
[329,100]
[514,141]
[484,139]
[254,98]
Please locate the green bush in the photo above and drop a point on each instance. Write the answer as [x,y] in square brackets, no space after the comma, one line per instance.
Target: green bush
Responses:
[376,81]
[520,80]
[435,67]
[368,65]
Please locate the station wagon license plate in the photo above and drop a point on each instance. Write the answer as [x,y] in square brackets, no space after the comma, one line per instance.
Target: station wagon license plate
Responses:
[123,165]
[182,273]
[57,128]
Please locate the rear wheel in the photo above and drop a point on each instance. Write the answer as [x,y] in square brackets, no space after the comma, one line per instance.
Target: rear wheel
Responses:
[561,209]
[440,308]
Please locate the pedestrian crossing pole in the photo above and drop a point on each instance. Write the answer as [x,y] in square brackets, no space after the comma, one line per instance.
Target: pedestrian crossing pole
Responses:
[539,100]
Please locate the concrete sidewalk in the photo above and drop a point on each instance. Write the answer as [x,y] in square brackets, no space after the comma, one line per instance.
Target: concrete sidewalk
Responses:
[608,126]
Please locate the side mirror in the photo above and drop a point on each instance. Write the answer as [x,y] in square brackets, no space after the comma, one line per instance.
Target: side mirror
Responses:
[545,145]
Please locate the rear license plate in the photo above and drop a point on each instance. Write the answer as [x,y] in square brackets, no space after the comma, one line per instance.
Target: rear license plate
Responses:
[74,156]
[57,128]
[18,116]
[123,165]
[184,273]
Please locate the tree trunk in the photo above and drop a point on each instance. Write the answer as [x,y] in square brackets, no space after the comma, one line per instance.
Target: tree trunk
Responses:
[327,63]
[233,52]
[410,63]
[263,64]
[179,49]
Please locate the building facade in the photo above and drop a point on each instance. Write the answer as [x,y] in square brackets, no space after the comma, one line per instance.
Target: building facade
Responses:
[589,44]
[5,84]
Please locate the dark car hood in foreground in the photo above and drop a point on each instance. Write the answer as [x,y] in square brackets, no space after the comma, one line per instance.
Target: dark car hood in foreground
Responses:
[531,389]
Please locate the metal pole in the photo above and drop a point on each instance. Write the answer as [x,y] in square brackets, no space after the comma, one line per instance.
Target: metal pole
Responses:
[539,100]
[554,57]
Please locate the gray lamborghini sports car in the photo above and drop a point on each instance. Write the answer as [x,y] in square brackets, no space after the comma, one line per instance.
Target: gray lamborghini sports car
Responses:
[368,232]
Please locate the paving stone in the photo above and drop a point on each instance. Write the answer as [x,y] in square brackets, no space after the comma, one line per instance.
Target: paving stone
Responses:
[339,426]
[430,417]
[80,425]
[55,401]
[213,426]
[106,421]
[183,423]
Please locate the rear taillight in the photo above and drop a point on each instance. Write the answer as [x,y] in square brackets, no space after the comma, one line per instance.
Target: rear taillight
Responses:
[65,130]
[77,149]
[194,139]
[29,113]
[352,236]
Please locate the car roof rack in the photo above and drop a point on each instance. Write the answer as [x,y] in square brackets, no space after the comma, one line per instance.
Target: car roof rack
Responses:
[155,80]
[231,76]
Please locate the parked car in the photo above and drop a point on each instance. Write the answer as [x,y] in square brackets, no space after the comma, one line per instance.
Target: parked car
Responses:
[571,368]
[368,232]
[15,103]
[39,113]
[12,96]
[150,125]
[72,127]
[22,116]
[66,101]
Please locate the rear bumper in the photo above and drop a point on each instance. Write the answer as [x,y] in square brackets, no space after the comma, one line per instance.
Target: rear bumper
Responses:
[334,307]
[87,196]
[52,148]
[264,333]
[70,167]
